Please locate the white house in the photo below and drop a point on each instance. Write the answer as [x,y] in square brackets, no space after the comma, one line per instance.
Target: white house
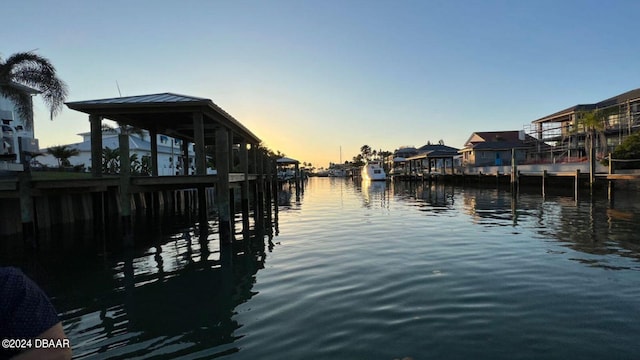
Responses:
[14,131]
[170,161]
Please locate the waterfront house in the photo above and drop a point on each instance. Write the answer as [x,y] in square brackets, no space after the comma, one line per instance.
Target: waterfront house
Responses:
[15,128]
[435,158]
[395,164]
[170,161]
[494,148]
[562,131]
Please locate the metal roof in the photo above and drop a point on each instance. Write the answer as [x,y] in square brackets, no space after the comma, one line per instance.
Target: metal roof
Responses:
[561,115]
[142,99]
[166,113]
[286,160]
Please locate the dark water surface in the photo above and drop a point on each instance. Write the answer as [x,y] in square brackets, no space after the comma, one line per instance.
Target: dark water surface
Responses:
[357,271]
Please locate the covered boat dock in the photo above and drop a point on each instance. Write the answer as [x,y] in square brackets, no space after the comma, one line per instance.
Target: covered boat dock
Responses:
[218,139]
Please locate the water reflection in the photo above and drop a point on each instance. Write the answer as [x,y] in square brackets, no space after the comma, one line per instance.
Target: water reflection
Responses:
[428,197]
[590,225]
[374,193]
[174,294]
[440,249]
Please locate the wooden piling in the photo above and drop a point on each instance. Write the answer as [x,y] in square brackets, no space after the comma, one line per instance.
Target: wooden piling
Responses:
[577,184]
[125,196]
[26,207]
[244,189]
[222,186]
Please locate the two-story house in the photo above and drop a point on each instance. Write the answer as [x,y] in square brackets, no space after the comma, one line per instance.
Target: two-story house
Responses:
[494,148]
[563,131]
[16,132]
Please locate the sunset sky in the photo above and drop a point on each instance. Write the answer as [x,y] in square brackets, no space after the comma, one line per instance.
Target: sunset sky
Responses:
[311,77]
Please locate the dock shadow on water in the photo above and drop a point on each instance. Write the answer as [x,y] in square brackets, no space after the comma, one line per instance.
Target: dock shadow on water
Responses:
[351,270]
[171,295]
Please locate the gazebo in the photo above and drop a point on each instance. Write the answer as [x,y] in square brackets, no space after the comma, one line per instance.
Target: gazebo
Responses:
[191,119]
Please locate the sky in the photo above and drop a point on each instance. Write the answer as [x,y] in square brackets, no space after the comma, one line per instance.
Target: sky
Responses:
[317,80]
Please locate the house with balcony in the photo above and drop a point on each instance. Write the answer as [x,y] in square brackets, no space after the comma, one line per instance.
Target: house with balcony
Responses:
[17,133]
[565,136]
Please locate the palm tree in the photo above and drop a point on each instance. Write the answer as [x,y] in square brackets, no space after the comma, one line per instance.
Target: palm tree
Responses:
[593,124]
[110,160]
[29,69]
[365,151]
[63,153]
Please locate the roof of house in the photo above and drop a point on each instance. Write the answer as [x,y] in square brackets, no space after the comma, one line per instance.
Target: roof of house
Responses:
[437,147]
[564,115]
[497,140]
[286,161]
[24,88]
[619,99]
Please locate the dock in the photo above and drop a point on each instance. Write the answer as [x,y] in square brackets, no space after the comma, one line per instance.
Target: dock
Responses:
[244,171]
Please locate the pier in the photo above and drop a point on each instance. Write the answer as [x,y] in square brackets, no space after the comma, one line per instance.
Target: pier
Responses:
[545,176]
[244,172]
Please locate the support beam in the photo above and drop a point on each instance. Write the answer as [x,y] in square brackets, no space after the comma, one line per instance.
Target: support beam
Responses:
[125,195]
[185,158]
[154,151]
[96,145]
[244,188]
[230,144]
[222,185]
[198,138]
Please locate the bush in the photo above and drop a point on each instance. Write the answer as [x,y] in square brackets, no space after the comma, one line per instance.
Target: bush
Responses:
[628,150]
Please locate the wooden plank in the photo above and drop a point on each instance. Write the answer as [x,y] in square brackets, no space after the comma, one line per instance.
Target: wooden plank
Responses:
[175,180]
[8,185]
[74,183]
[623,177]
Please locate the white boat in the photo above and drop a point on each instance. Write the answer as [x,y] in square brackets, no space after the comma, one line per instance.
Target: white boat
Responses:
[373,171]
[335,172]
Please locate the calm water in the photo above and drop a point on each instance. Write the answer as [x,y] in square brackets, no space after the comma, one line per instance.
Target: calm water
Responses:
[362,272]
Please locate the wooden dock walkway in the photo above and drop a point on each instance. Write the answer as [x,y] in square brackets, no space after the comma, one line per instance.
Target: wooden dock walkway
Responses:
[242,165]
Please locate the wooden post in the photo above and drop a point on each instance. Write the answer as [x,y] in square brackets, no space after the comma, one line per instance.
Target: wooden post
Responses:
[544,180]
[259,211]
[577,184]
[125,195]
[153,134]
[244,188]
[268,163]
[610,185]
[185,157]
[514,168]
[230,144]
[297,181]
[592,164]
[26,207]
[198,137]
[222,186]
[96,145]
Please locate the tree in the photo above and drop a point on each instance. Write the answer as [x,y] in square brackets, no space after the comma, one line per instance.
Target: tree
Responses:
[365,151]
[62,153]
[110,160]
[593,124]
[628,150]
[27,68]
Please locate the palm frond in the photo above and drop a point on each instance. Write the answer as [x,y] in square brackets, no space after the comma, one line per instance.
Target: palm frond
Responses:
[35,71]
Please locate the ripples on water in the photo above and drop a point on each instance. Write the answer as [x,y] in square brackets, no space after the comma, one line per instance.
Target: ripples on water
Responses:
[362,271]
